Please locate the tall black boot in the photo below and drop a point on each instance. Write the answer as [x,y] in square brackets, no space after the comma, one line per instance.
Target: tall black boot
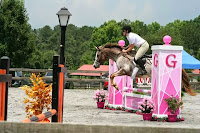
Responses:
[141,64]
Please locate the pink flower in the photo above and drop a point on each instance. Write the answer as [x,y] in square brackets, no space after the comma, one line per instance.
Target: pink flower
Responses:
[140,103]
[100,95]
[145,99]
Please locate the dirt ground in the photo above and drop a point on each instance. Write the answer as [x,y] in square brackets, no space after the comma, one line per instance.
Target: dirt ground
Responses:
[80,108]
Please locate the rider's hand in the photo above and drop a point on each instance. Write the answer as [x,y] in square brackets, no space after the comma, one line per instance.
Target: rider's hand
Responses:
[124,51]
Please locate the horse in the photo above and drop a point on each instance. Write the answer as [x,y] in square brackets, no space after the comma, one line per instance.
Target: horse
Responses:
[126,65]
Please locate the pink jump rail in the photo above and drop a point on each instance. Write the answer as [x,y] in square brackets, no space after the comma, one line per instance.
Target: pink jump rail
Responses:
[131,99]
[137,90]
[40,117]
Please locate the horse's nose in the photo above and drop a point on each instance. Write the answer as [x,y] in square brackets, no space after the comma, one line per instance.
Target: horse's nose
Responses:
[94,66]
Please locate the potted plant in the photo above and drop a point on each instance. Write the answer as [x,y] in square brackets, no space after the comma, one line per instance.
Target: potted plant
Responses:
[100,97]
[173,106]
[38,96]
[146,107]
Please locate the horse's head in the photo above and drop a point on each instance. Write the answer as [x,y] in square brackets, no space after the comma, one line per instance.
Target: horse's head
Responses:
[99,58]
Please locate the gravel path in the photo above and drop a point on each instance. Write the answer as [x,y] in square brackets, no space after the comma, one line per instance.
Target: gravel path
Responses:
[80,108]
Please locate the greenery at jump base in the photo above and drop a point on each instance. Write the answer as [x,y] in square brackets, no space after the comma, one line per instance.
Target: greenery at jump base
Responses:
[34,48]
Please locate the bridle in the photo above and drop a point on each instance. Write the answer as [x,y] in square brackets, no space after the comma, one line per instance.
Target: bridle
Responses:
[100,54]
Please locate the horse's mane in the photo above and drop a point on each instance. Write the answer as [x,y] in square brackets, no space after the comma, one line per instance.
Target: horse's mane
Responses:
[112,45]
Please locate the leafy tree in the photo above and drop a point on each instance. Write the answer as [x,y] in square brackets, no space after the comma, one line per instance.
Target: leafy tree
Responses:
[153,28]
[198,54]
[139,27]
[16,38]
[191,36]
[88,55]
[109,32]
[45,33]
[124,22]
[155,35]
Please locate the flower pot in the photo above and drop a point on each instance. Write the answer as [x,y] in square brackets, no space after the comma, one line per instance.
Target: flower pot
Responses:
[100,105]
[172,117]
[147,116]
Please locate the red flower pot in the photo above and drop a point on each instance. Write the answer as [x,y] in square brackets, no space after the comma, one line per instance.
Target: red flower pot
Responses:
[172,117]
[147,116]
[100,105]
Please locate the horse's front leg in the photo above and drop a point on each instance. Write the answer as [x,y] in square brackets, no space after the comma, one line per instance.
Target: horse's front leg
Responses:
[113,75]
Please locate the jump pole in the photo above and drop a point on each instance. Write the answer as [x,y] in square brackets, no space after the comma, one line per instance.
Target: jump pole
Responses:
[58,89]
[5,77]
[41,116]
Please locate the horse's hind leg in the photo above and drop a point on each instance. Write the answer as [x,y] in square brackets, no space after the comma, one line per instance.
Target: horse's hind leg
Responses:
[113,75]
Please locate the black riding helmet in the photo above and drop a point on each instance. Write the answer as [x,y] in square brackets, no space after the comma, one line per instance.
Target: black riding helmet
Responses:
[126,28]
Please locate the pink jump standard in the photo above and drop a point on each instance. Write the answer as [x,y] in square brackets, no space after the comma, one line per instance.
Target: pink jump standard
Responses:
[166,76]
[116,96]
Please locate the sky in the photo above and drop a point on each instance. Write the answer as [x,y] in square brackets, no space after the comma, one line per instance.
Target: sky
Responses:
[96,12]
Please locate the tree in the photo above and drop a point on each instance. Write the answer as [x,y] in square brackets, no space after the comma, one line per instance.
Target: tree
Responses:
[139,28]
[109,32]
[124,22]
[198,54]
[191,36]
[16,38]
[153,28]
[45,33]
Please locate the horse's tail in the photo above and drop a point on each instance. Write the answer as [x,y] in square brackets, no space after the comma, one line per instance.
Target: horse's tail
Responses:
[186,83]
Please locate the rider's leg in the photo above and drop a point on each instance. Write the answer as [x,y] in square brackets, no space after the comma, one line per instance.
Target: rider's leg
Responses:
[141,51]
[135,70]
[141,64]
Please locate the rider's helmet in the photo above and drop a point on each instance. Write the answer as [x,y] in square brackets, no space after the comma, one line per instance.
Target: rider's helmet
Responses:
[126,28]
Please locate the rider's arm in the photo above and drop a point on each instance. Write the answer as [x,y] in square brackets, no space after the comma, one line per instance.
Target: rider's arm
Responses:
[129,48]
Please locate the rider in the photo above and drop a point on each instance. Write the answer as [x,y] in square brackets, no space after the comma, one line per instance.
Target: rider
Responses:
[137,41]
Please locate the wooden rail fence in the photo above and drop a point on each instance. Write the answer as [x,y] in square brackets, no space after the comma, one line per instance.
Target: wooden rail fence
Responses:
[100,80]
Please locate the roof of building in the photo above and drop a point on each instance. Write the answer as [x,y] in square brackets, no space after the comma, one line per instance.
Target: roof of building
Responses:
[196,71]
[91,68]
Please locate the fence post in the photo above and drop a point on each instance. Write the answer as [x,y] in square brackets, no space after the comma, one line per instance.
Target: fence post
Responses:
[4,67]
[56,62]
[101,82]
[58,88]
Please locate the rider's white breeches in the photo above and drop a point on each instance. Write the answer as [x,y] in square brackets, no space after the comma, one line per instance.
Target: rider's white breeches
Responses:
[142,50]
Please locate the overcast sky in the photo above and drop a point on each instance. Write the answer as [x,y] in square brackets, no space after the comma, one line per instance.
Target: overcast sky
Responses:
[96,12]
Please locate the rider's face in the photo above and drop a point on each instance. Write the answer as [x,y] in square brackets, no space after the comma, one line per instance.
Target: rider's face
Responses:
[124,33]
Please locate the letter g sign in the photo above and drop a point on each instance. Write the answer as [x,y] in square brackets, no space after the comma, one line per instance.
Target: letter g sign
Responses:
[173,63]
[155,59]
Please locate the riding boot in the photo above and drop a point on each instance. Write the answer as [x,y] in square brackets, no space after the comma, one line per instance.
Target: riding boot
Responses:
[135,70]
[141,64]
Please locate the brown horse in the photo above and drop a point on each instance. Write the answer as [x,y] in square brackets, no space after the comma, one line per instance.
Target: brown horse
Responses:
[126,66]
